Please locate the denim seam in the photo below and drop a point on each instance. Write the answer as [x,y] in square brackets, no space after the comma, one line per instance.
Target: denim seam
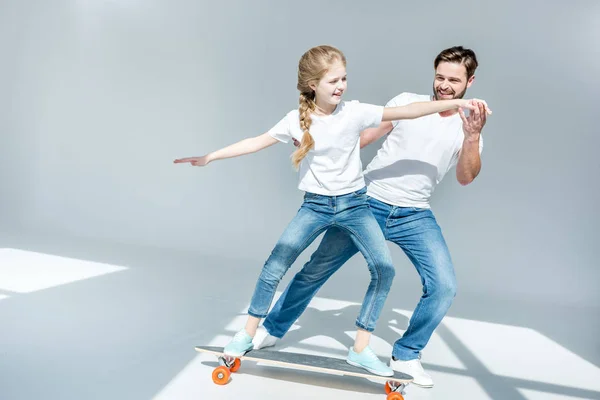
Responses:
[308,239]
[425,283]
[371,305]
[414,316]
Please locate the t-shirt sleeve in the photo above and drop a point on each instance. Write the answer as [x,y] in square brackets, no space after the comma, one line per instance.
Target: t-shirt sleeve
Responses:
[401,100]
[282,131]
[370,115]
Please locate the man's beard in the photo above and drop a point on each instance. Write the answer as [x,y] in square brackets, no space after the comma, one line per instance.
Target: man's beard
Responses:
[455,96]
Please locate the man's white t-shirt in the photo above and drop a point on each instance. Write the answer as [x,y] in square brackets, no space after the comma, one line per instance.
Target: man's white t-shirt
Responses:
[333,167]
[415,156]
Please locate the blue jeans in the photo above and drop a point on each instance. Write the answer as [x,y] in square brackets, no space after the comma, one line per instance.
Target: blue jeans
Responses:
[416,231]
[351,217]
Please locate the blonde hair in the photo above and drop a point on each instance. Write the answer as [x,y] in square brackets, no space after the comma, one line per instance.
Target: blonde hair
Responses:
[313,65]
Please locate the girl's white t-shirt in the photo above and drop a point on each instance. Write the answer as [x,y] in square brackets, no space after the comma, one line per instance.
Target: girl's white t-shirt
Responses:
[333,167]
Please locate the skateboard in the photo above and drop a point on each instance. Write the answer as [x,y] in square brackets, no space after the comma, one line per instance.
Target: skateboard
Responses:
[328,365]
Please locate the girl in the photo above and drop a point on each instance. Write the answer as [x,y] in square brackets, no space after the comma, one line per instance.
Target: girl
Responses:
[330,172]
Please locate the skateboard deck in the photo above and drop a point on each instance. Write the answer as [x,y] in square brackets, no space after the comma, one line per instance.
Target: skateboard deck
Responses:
[328,365]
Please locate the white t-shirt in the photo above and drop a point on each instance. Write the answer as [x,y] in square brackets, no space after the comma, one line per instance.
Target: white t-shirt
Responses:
[415,156]
[333,167]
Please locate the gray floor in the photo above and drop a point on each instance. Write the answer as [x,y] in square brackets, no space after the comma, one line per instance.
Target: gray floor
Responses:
[108,321]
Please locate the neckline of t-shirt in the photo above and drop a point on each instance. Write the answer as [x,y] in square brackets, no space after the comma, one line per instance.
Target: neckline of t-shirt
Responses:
[335,111]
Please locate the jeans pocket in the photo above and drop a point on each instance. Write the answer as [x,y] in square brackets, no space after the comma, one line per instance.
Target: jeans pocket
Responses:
[315,199]
[360,192]
[313,196]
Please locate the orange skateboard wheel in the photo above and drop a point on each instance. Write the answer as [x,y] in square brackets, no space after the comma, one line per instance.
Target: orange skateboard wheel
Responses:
[236,365]
[395,396]
[221,375]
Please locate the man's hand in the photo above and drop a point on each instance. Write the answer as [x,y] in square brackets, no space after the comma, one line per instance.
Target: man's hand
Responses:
[473,124]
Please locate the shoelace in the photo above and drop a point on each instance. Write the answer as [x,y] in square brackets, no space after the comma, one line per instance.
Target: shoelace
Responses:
[370,354]
[416,366]
[239,336]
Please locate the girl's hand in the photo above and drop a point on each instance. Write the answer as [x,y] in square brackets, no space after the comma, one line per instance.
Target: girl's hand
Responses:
[194,161]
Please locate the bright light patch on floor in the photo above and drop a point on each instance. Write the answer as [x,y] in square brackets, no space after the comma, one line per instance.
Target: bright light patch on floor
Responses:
[3,296]
[497,347]
[24,271]
[524,353]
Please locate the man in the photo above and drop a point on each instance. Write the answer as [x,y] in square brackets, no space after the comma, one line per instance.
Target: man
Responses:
[413,159]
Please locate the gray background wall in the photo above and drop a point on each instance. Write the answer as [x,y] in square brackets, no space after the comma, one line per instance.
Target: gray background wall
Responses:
[98,98]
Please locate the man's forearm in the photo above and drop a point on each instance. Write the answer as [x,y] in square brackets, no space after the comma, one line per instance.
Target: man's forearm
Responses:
[370,135]
[469,161]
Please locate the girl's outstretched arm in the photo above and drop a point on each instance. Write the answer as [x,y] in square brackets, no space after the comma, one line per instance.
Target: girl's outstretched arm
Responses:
[422,108]
[243,147]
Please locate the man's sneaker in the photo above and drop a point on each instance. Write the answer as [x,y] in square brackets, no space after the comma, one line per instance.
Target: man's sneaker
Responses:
[368,360]
[239,345]
[263,339]
[414,369]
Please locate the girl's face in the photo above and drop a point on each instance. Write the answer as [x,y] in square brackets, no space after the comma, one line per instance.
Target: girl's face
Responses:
[329,90]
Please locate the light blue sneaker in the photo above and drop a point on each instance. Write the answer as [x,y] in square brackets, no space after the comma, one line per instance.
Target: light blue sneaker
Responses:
[239,345]
[368,360]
